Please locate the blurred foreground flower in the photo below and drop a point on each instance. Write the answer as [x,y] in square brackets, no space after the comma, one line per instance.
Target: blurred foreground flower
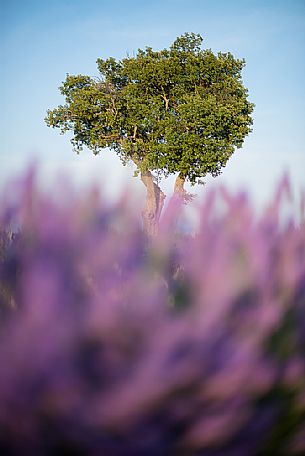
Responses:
[189,345]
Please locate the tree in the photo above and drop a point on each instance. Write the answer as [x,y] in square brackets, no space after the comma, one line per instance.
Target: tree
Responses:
[180,110]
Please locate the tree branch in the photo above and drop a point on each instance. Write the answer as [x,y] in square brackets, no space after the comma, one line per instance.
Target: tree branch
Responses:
[135,131]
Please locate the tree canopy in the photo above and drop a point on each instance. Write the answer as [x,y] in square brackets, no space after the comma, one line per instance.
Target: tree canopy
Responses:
[179,110]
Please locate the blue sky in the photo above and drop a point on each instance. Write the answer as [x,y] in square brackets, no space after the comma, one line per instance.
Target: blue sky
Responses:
[41,41]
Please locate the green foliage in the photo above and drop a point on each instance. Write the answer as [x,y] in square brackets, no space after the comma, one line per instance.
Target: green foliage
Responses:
[182,109]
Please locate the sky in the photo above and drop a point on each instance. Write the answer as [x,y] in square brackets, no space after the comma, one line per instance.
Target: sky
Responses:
[42,41]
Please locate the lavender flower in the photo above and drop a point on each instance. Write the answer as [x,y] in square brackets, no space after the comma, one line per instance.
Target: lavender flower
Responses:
[193,344]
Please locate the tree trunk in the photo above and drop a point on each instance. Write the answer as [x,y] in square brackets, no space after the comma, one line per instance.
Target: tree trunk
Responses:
[179,185]
[180,191]
[153,206]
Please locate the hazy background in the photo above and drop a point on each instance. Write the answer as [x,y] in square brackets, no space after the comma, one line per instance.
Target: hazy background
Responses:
[41,41]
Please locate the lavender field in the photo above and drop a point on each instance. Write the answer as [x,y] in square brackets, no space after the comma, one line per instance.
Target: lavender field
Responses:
[186,344]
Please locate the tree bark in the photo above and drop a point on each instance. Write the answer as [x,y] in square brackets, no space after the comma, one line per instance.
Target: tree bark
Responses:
[179,185]
[153,206]
[180,191]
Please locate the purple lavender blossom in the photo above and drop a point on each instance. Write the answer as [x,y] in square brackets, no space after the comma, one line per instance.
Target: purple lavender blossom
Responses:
[189,345]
